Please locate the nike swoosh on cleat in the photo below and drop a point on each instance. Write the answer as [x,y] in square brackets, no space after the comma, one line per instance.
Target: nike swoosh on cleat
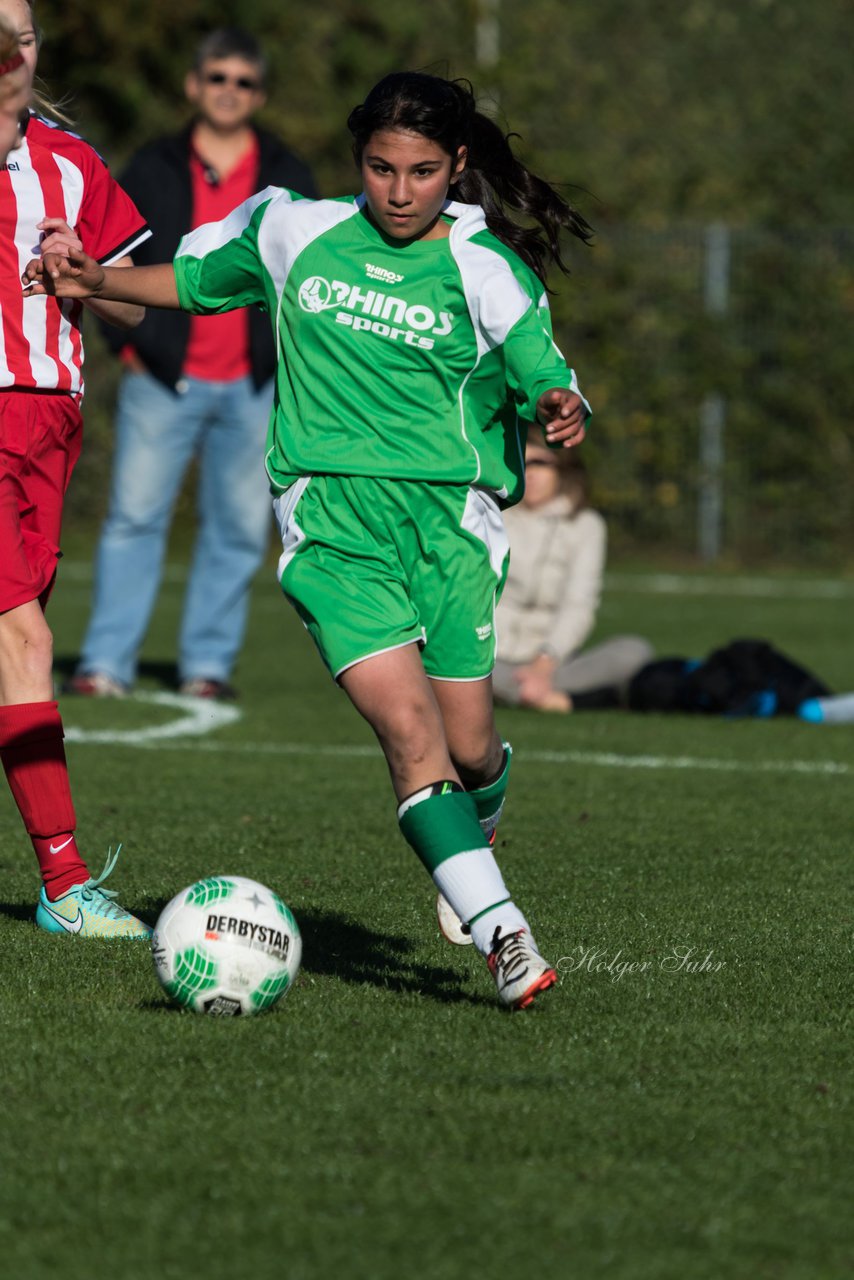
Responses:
[57,848]
[71,926]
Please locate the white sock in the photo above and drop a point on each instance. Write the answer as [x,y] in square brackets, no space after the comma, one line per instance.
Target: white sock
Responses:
[471,881]
[506,917]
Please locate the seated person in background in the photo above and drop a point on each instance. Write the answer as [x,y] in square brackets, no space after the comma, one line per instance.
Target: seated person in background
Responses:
[548,609]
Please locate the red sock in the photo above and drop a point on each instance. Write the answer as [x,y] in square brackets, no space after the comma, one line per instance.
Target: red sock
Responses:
[34,760]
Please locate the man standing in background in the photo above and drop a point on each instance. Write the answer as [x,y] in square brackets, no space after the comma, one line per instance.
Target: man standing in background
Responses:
[193,386]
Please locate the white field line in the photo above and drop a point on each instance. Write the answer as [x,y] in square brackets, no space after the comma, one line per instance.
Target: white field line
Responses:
[200,718]
[597,759]
[79,573]
[685,584]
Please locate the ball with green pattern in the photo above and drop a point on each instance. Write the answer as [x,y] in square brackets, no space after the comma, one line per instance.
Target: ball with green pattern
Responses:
[226,946]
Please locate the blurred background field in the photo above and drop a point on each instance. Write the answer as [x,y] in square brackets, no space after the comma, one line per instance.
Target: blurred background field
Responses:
[711,322]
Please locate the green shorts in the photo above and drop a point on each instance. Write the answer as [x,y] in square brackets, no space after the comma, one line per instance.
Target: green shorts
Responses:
[372,565]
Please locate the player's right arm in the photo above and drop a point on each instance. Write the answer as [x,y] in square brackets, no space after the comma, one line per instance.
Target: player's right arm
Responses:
[217,268]
[79,276]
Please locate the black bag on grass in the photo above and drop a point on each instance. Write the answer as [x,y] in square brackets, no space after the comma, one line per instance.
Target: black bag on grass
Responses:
[744,678]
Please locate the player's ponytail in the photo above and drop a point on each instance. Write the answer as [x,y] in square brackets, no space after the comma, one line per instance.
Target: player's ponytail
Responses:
[445,111]
[498,181]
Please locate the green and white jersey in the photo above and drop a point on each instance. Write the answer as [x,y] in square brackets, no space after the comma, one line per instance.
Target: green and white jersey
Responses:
[408,362]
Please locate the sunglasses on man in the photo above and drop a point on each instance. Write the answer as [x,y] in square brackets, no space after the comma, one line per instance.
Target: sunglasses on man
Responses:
[239,82]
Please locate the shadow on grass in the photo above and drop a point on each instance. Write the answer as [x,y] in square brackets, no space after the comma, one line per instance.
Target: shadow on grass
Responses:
[337,947]
[334,946]
[25,911]
[162,673]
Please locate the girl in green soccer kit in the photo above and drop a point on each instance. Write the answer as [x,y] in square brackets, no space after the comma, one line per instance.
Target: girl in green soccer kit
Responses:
[414,347]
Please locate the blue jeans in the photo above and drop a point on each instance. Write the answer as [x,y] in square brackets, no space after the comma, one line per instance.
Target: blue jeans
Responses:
[158,432]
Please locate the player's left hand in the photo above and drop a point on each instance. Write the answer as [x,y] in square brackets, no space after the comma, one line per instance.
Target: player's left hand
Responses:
[562,413]
[58,237]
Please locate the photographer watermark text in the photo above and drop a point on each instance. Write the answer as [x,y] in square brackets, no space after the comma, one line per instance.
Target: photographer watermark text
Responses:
[679,959]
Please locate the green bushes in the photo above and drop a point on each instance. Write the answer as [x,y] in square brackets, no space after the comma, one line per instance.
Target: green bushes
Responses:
[670,118]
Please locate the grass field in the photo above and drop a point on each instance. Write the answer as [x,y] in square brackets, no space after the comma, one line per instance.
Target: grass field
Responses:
[678,1106]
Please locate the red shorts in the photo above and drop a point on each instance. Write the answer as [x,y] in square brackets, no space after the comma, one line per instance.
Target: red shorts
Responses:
[40,438]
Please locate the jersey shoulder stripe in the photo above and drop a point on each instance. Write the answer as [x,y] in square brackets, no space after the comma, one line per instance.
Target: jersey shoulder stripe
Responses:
[126,247]
[59,138]
[292,218]
[283,224]
[493,287]
[290,227]
[216,235]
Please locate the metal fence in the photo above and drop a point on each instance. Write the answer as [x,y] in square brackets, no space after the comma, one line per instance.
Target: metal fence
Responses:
[719,363]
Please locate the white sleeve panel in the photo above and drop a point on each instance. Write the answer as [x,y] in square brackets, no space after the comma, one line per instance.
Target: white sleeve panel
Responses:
[290,226]
[496,301]
[215,235]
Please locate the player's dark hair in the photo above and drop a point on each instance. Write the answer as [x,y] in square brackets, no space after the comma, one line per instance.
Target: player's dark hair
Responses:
[230,42]
[445,111]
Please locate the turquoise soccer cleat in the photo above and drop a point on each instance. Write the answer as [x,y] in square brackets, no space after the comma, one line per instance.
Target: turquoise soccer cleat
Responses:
[90,911]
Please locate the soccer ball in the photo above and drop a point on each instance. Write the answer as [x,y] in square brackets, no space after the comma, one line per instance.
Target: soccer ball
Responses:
[226,946]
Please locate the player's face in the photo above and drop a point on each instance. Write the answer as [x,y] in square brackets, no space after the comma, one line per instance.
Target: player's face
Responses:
[226,92]
[17,13]
[14,96]
[542,478]
[406,179]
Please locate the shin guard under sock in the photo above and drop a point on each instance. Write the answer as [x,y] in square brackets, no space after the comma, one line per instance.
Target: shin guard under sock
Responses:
[489,799]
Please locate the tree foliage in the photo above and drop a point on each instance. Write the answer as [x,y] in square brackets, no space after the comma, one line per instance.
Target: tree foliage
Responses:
[661,117]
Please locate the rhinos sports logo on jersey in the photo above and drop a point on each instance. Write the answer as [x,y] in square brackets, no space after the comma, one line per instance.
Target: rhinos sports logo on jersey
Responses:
[382,273]
[315,294]
[372,310]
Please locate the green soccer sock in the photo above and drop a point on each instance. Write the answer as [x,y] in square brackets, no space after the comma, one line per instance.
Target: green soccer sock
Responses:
[441,824]
[440,821]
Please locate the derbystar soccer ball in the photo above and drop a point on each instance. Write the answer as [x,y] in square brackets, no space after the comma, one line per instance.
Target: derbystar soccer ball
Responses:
[226,946]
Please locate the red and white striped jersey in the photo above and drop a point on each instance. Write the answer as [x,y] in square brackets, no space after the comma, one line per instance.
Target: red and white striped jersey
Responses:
[54,174]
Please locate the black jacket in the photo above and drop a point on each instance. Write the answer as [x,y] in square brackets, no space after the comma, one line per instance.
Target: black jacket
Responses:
[157,179]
